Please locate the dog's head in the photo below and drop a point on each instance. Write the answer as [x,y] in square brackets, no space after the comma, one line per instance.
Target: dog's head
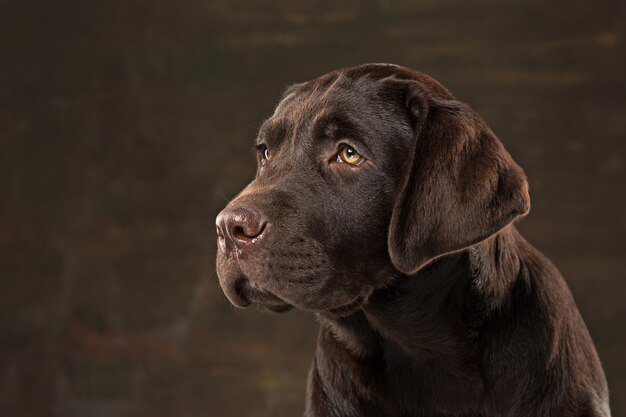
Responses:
[363,174]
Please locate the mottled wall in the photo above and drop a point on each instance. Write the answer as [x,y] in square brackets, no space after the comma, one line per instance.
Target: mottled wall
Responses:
[125,126]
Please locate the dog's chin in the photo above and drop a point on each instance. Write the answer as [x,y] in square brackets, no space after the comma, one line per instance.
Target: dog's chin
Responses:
[263,300]
[347,309]
[275,308]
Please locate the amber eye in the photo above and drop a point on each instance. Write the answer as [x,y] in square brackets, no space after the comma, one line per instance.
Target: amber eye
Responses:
[350,156]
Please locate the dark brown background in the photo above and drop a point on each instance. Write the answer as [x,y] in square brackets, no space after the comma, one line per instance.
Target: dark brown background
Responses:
[125,126]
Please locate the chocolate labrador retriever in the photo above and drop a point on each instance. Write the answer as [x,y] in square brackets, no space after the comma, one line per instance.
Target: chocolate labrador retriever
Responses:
[386,206]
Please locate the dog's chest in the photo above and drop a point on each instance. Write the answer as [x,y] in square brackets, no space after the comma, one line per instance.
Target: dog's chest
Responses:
[429,387]
[390,382]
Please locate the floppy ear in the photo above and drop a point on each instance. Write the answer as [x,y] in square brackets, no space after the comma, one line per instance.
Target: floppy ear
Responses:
[460,187]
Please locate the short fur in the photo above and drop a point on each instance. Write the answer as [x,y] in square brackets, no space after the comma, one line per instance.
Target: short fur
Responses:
[430,302]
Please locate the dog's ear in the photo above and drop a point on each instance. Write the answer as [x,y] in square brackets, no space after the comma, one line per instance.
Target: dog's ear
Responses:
[460,185]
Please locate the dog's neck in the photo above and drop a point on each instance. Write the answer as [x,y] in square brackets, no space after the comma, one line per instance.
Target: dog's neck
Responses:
[435,313]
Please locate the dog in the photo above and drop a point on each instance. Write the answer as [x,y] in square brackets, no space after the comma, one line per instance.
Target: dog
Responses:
[386,206]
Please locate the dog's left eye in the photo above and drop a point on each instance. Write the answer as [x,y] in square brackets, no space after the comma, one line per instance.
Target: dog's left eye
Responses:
[264,152]
[349,155]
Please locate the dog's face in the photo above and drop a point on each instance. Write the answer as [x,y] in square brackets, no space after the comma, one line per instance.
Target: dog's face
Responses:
[355,171]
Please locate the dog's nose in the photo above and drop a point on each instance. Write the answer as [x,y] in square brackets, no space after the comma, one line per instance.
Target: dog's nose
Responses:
[238,228]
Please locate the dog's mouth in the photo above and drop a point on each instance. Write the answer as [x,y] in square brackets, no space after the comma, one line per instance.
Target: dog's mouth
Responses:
[243,291]
[248,295]
[261,299]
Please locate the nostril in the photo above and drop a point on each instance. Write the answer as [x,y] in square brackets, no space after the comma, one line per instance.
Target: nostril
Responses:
[247,230]
[238,228]
[238,233]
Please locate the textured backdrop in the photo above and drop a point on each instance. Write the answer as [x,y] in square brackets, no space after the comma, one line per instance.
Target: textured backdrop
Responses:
[126,125]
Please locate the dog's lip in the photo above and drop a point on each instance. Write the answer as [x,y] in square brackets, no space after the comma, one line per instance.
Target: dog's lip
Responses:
[241,291]
[263,299]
